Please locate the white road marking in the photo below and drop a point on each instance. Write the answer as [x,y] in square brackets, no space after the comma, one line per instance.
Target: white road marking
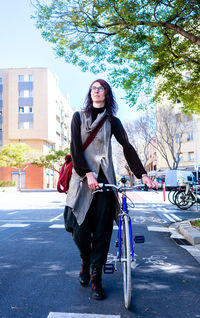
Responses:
[14,225]
[78,315]
[115,227]
[169,217]
[57,226]
[176,217]
[13,212]
[158,228]
[56,218]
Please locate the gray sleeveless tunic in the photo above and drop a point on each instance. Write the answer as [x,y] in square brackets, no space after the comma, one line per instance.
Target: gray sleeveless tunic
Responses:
[98,154]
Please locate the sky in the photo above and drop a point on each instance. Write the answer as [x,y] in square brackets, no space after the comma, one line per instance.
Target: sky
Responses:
[23,46]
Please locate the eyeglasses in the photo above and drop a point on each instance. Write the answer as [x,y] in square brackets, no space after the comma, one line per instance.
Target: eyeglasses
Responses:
[100,88]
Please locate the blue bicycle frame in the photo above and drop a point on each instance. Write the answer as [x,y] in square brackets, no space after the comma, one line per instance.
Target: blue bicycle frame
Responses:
[125,211]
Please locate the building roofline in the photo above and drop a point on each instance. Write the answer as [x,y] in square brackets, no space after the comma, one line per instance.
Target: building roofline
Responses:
[23,68]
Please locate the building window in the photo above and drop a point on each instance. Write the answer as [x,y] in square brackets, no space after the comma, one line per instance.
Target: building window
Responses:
[20,78]
[30,77]
[1,80]
[25,78]
[177,137]
[21,109]
[1,95]
[190,156]
[25,125]
[1,112]
[190,136]
[25,93]
[25,109]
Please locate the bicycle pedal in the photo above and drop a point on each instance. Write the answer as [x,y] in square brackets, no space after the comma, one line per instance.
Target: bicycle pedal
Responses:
[139,239]
[108,268]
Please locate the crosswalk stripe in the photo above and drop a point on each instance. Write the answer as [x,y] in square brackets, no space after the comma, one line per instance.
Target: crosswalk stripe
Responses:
[158,228]
[176,217]
[13,212]
[14,225]
[78,315]
[169,217]
[57,226]
[56,218]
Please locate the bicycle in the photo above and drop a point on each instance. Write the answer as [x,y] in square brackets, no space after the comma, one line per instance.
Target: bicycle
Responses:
[125,253]
[184,199]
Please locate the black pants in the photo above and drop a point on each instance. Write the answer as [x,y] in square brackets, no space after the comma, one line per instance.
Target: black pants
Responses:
[93,236]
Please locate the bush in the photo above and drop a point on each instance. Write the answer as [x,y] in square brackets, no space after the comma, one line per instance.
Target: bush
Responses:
[7,183]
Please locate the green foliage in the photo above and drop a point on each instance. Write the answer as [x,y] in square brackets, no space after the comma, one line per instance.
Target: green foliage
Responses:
[15,155]
[7,183]
[53,160]
[135,41]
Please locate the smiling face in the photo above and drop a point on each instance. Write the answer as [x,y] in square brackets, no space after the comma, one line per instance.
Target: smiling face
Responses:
[98,95]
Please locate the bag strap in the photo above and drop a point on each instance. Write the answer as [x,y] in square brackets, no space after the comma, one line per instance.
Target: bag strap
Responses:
[93,134]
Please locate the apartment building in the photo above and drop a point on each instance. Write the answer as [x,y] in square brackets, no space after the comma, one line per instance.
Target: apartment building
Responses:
[187,130]
[33,111]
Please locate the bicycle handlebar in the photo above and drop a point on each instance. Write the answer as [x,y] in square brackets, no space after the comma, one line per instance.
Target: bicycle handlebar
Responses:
[119,188]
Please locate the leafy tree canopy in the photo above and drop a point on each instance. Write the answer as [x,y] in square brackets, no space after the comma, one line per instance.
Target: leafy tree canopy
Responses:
[15,155]
[53,160]
[135,41]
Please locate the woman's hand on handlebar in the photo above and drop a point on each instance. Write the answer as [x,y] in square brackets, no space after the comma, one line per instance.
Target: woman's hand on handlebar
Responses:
[92,182]
[150,183]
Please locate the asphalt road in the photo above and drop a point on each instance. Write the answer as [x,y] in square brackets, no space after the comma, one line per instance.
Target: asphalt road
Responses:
[39,265]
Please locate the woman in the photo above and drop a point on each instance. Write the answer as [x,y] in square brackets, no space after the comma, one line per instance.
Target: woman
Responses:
[89,215]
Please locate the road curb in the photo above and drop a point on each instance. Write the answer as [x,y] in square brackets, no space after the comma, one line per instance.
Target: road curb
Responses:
[191,234]
[185,230]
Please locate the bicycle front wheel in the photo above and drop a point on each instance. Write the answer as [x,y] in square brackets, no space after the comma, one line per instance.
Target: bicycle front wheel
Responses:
[184,201]
[126,260]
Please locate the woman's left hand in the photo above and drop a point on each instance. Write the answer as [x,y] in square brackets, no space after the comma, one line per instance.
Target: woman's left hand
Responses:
[150,183]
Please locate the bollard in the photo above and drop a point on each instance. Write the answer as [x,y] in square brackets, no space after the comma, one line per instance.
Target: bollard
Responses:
[163,191]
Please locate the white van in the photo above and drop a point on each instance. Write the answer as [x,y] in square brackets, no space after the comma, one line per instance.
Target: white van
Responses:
[176,178]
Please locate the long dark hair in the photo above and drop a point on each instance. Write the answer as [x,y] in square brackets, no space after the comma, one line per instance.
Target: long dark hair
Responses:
[110,102]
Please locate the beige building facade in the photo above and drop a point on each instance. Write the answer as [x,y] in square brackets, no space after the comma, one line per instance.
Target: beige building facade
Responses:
[189,153]
[33,111]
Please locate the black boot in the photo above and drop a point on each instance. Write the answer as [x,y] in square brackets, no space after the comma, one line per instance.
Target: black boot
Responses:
[96,284]
[84,276]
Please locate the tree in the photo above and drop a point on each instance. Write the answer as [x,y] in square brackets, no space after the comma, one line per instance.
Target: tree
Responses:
[139,132]
[136,41]
[170,131]
[16,155]
[53,160]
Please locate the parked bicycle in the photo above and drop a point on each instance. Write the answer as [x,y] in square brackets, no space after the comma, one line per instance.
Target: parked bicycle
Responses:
[125,254]
[172,193]
[186,198]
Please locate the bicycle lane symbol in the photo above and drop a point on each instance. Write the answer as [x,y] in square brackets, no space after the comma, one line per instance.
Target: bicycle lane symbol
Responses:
[112,259]
[142,219]
[156,260]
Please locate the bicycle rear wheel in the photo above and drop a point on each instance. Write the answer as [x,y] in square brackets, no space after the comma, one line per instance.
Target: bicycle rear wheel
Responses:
[171,196]
[126,260]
